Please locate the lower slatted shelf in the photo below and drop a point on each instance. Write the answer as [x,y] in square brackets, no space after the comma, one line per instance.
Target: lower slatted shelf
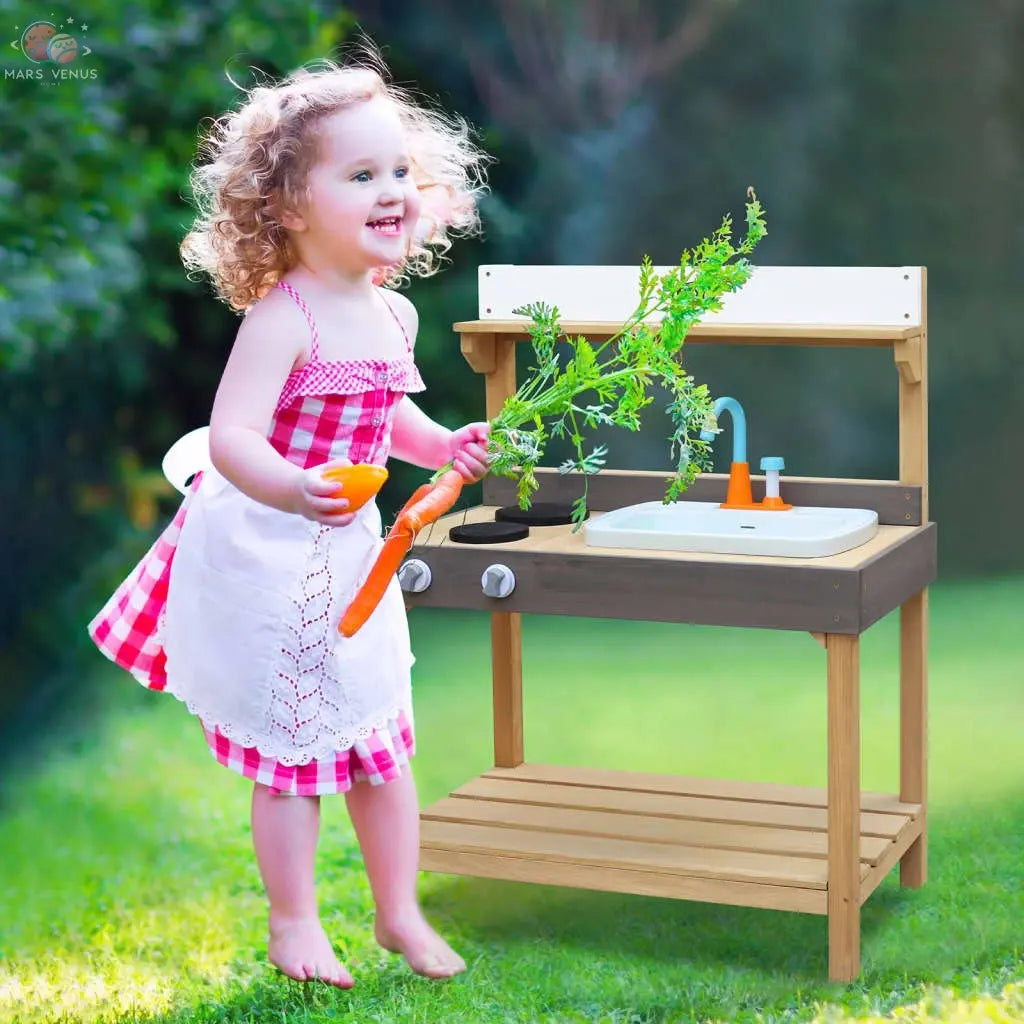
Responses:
[748,844]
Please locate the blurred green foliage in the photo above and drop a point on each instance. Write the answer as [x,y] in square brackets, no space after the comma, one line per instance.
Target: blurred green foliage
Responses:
[875,131]
[108,352]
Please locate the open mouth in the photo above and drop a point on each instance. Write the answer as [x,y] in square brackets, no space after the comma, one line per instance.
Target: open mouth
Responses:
[387,225]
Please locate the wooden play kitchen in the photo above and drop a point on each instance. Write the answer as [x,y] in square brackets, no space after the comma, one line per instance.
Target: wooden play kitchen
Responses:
[758,844]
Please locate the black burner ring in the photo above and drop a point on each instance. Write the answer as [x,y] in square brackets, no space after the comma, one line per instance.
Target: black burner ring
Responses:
[540,513]
[488,533]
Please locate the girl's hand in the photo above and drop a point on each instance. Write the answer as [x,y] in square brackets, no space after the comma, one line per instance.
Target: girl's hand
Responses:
[468,451]
[313,496]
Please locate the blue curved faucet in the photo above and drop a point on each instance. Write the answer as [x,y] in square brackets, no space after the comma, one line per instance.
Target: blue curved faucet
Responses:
[739,427]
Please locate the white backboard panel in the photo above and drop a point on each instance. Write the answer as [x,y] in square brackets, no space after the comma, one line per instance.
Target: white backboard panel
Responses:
[839,296]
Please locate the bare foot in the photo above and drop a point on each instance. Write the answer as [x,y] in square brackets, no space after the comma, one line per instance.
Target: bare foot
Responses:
[299,947]
[426,952]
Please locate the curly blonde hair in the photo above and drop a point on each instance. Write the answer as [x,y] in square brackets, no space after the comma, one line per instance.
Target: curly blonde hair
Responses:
[259,158]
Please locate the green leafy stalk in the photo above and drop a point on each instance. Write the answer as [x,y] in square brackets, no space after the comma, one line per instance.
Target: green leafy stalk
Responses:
[642,352]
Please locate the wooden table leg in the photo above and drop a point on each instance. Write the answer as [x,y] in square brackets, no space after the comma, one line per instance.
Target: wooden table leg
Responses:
[914,730]
[507,677]
[843,806]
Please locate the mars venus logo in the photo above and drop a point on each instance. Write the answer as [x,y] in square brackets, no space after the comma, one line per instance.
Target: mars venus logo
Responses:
[47,42]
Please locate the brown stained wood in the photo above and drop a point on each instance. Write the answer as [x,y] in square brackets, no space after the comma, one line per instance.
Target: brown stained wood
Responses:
[562,540]
[478,350]
[558,574]
[618,879]
[913,412]
[865,336]
[751,844]
[913,435]
[897,504]
[507,687]
[907,353]
[496,357]
[913,422]
[889,580]
[651,589]
[681,785]
[843,804]
[805,872]
[896,851]
[645,828]
[738,812]
[914,729]
[500,383]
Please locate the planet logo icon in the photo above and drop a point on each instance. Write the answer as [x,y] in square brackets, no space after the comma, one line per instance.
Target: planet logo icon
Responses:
[43,41]
[36,38]
[62,48]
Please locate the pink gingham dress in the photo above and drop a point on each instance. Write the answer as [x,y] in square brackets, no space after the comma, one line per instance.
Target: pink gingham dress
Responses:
[234,609]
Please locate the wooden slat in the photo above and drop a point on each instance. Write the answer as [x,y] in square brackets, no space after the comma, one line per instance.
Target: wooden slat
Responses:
[745,812]
[640,883]
[911,832]
[855,336]
[897,503]
[645,828]
[722,789]
[805,872]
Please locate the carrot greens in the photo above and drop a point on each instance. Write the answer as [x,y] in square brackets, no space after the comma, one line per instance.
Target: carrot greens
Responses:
[607,383]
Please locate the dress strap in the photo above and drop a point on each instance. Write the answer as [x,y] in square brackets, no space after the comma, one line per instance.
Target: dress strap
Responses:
[391,310]
[314,353]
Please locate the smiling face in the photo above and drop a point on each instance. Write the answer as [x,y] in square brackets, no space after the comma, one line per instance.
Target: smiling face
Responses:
[363,203]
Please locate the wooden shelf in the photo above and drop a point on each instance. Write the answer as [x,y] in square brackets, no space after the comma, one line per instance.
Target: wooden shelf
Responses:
[866,335]
[742,843]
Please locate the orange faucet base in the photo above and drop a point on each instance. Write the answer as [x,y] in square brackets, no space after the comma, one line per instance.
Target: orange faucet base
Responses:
[773,504]
[740,496]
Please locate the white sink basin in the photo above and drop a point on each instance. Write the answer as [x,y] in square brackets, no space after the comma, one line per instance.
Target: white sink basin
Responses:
[800,532]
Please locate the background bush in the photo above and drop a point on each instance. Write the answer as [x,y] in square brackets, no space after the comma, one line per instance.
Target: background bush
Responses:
[876,132]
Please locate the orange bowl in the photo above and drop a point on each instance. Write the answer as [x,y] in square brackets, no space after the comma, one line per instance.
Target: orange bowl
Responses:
[359,483]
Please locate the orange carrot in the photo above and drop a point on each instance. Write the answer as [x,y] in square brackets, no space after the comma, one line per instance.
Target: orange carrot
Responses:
[436,502]
[427,504]
[376,583]
[421,492]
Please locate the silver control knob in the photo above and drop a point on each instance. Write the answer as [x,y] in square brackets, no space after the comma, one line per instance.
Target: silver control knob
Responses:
[498,581]
[414,575]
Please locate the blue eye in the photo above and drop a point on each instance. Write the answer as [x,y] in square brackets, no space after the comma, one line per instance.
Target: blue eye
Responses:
[362,176]
[402,172]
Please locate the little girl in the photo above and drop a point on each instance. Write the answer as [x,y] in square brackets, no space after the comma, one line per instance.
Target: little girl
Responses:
[318,190]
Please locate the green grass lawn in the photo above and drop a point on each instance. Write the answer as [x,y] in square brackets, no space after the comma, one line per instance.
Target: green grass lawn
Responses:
[129,891]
